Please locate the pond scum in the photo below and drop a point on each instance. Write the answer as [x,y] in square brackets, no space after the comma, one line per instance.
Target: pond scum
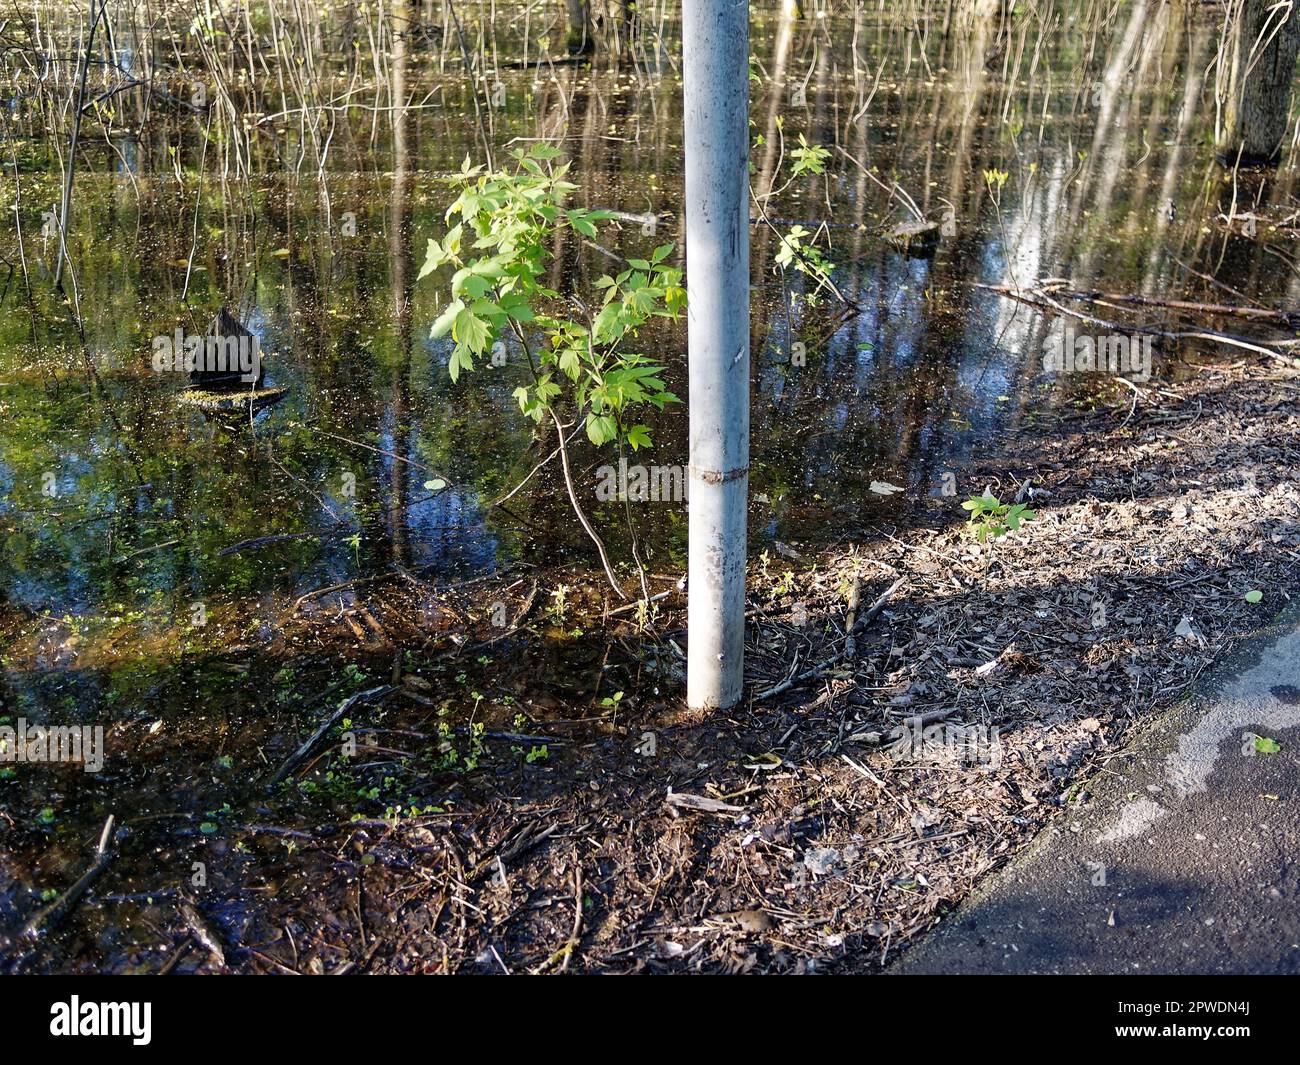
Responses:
[369,699]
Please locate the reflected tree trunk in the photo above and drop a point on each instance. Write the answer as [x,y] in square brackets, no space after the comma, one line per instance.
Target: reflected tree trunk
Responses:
[398,226]
[1197,49]
[766,176]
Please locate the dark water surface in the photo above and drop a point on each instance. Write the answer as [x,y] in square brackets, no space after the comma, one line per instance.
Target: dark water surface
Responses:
[1110,182]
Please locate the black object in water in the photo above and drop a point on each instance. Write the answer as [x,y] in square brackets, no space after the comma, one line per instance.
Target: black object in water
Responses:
[231,357]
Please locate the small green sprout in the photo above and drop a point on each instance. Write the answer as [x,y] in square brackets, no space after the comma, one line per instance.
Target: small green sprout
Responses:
[990,517]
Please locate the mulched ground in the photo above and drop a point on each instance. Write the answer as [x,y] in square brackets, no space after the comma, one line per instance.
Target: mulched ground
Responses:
[811,829]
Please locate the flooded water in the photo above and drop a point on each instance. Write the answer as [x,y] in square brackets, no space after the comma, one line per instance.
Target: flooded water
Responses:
[1053,142]
[322,267]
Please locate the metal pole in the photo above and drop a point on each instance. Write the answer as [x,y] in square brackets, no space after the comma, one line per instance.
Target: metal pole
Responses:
[715,36]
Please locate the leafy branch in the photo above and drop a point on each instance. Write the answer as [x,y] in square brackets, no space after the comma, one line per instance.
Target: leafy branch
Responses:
[501,228]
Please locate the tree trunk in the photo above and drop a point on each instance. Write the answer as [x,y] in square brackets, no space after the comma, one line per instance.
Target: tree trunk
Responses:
[580,40]
[715,40]
[1259,58]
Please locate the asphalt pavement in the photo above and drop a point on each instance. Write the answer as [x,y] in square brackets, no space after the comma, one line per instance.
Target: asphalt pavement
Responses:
[1185,860]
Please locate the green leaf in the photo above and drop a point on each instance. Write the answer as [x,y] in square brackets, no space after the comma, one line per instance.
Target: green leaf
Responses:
[570,365]
[471,331]
[446,319]
[547,390]
[578,219]
[453,366]
[1266,746]
[1253,596]
[639,436]
[1017,514]
[601,428]
[475,286]
[433,258]
[607,325]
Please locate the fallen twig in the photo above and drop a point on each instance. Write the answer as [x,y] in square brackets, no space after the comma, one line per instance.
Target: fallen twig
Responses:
[1284,318]
[54,914]
[203,932]
[1042,298]
[849,648]
[703,803]
[295,759]
[565,953]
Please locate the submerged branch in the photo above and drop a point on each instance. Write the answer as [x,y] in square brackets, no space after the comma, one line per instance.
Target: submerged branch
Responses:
[1042,297]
